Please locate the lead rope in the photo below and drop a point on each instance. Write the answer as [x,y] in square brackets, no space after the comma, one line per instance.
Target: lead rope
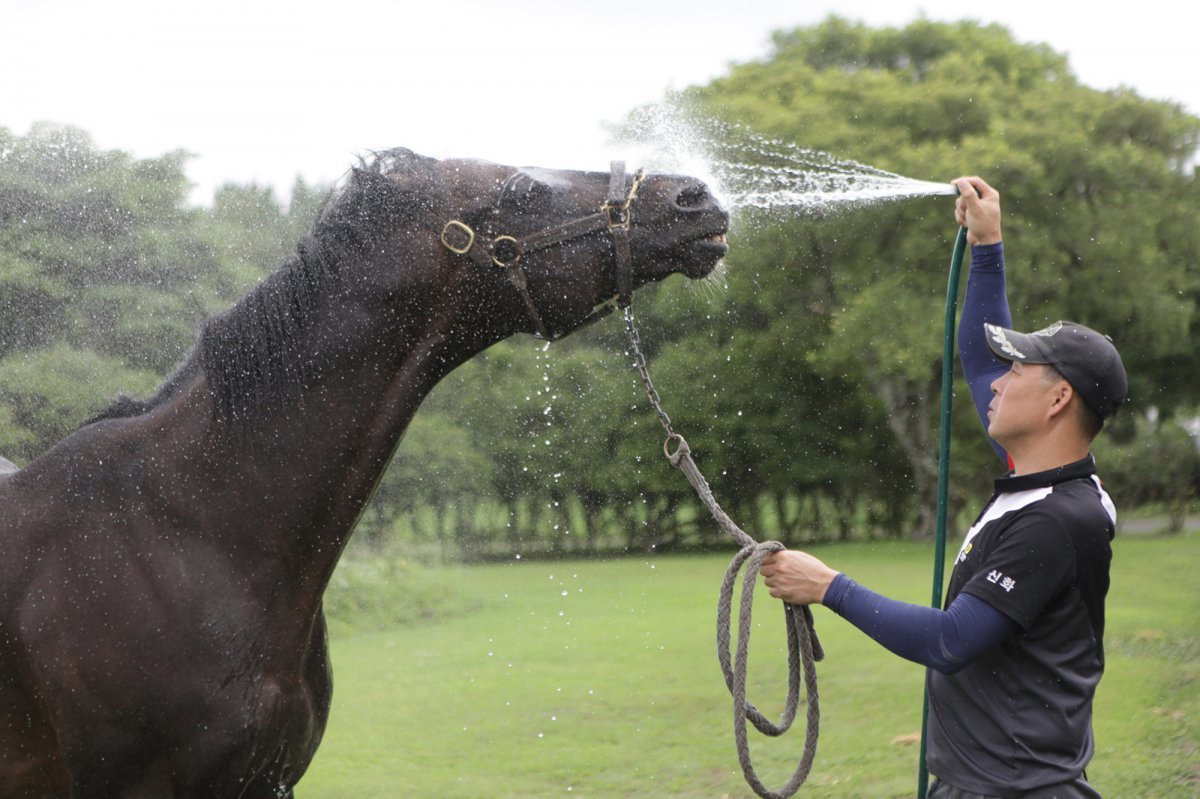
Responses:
[804,649]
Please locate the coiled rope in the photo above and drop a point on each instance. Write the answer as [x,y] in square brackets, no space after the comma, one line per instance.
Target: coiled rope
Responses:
[804,648]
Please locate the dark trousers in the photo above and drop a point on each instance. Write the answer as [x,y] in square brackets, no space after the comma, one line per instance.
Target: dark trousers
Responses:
[1075,789]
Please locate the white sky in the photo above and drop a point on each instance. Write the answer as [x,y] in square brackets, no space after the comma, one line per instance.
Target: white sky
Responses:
[264,90]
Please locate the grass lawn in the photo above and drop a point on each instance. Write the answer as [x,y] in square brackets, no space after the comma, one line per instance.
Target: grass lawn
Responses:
[599,679]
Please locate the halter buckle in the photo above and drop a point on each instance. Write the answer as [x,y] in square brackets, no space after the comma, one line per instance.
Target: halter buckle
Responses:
[456,228]
[618,216]
[617,208]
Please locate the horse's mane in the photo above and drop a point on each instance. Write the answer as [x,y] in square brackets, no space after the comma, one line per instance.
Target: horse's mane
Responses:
[253,354]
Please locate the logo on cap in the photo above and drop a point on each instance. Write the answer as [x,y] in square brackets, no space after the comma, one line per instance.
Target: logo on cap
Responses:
[1006,346]
[1048,331]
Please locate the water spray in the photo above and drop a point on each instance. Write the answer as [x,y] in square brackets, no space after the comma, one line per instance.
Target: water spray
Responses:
[749,171]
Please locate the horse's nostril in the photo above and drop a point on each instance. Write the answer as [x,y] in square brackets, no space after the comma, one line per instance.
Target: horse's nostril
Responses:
[693,196]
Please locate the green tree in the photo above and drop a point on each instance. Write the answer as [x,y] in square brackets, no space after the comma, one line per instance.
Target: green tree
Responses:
[105,273]
[804,375]
[98,259]
[1094,227]
[1158,465]
[41,399]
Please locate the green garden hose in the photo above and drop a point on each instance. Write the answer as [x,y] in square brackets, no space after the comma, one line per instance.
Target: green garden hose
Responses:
[943,490]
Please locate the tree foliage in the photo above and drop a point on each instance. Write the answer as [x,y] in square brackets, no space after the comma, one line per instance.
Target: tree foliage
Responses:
[1092,182]
[105,273]
[804,376]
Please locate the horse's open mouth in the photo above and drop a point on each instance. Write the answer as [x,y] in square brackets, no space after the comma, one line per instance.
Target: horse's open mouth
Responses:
[703,254]
[716,244]
[720,240]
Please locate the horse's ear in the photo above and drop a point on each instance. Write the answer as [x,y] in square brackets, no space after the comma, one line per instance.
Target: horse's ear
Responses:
[378,192]
[412,175]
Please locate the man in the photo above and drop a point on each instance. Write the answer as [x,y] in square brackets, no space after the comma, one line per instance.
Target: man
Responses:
[1017,652]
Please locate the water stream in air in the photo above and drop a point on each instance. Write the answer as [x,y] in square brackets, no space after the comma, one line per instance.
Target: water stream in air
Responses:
[750,171]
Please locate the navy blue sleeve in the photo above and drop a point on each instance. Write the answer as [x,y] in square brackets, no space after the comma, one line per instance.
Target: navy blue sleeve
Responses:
[985,301]
[943,640]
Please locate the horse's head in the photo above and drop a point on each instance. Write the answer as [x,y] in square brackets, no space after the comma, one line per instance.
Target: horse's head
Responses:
[537,250]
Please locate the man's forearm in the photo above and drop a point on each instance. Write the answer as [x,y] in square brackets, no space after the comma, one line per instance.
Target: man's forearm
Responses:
[942,640]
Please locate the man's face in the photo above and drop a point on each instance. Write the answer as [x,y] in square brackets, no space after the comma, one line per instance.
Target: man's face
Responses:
[1022,401]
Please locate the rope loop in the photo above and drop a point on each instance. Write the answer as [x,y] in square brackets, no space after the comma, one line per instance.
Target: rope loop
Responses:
[804,649]
[682,450]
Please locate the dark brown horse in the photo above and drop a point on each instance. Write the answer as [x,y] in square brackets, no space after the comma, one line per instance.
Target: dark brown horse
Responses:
[161,631]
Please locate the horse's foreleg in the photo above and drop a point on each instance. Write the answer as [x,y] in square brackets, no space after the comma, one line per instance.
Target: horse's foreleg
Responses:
[31,765]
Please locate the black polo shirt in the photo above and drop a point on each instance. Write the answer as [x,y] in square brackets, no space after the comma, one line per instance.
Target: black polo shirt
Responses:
[1020,716]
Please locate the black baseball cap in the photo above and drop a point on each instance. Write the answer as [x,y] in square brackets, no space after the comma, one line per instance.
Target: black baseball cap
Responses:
[1086,359]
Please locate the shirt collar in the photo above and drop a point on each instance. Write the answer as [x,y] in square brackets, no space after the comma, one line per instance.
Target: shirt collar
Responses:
[1010,483]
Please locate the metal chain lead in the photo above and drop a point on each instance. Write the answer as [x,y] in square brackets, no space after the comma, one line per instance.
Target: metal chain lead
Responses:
[804,648]
[639,361]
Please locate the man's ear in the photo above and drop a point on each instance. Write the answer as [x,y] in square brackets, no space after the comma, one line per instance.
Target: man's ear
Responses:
[1063,394]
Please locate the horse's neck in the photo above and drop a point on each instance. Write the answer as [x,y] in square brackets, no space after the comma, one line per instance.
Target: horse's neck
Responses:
[304,473]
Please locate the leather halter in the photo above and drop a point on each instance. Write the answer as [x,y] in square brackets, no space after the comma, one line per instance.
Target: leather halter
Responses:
[505,252]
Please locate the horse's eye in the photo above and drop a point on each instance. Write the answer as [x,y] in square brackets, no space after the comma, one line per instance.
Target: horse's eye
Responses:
[536,196]
[529,194]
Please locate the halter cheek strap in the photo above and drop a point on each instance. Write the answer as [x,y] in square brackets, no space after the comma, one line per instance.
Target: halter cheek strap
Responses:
[505,252]
[620,216]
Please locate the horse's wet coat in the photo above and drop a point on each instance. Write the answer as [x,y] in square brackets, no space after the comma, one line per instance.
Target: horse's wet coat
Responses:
[161,631]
